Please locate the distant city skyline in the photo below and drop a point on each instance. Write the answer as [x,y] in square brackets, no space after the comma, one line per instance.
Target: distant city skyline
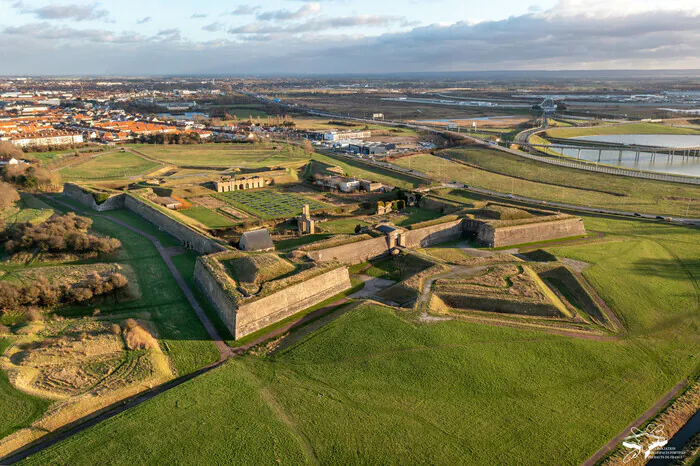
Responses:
[339,36]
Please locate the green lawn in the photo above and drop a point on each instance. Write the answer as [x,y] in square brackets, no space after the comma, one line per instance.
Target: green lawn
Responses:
[375,386]
[268,203]
[208,217]
[224,155]
[114,165]
[342,226]
[508,173]
[632,128]
[413,215]
[18,409]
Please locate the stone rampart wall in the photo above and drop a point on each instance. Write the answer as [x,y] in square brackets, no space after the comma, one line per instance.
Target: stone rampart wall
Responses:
[75,192]
[199,242]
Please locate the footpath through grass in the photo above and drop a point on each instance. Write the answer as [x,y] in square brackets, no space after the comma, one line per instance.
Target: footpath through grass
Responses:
[180,332]
[377,387]
[506,173]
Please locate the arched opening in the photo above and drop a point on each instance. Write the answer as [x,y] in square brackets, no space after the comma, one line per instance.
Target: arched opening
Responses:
[247,186]
[241,186]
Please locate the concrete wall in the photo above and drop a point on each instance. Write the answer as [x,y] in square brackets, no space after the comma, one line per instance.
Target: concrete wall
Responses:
[76,193]
[529,233]
[353,253]
[253,316]
[199,242]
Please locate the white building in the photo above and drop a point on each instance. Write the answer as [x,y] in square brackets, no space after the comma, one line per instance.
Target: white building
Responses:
[48,138]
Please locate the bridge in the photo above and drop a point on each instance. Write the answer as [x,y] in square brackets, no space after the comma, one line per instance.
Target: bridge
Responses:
[670,153]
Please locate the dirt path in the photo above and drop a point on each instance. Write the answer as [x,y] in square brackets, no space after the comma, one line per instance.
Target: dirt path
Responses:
[646,415]
[165,253]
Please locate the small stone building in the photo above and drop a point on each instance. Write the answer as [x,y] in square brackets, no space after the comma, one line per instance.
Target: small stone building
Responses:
[256,240]
[225,185]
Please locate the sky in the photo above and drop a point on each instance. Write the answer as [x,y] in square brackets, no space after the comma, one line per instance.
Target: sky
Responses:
[156,37]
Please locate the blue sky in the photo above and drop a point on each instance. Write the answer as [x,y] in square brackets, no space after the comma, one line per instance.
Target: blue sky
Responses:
[327,36]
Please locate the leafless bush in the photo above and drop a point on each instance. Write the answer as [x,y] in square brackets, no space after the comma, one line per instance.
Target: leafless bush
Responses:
[4,330]
[139,338]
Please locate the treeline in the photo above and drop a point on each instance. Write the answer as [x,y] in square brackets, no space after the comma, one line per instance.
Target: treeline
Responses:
[60,233]
[167,138]
[45,294]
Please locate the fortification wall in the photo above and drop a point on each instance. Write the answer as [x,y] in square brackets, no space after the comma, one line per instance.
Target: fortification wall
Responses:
[270,309]
[529,233]
[199,242]
[253,316]
[218,297]
[77,193]
[352,253]
[434,234]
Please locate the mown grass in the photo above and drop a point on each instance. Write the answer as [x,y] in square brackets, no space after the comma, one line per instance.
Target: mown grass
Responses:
[376,387]
[413,215]
[18,409]
[27,209]
[224,155]
[208,217]
[507,173]
[114,165]
[632,128]
[342,226]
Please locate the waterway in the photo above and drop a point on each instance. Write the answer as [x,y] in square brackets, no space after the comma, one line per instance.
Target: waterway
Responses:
[661,163]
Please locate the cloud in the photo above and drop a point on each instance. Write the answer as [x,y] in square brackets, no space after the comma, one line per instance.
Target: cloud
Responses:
[318,24]
[213,27]
[144,20]
[69,11]
[286,15]
[198,15]
[551,39]
[244,10]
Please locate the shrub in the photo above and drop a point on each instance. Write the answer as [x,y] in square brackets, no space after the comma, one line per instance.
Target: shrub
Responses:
[33,314]
[4,330]
[100,198]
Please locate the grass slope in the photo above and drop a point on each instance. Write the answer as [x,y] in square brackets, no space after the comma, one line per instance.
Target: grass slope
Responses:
[632,128]
[224,155]
[208,217]
[376,387]
[114,165]
[370,172]
[503,172]
[18,409]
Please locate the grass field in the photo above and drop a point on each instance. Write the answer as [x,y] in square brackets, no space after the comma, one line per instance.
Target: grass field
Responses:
[507,173]
[632,128]
[269,204]
[413,215]
[374,386]
[28,209]
[342,226]
[224,155]
[370,172]
[208,217]
[114,165]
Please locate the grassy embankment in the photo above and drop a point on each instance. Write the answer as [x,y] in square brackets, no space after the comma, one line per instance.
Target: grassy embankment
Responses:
[225,155]
[448,392]
[363,170]
[507,173]
[114,165]
[632,128]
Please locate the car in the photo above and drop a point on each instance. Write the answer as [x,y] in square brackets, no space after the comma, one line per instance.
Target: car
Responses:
[660,217]
[510,196]
[637,214]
